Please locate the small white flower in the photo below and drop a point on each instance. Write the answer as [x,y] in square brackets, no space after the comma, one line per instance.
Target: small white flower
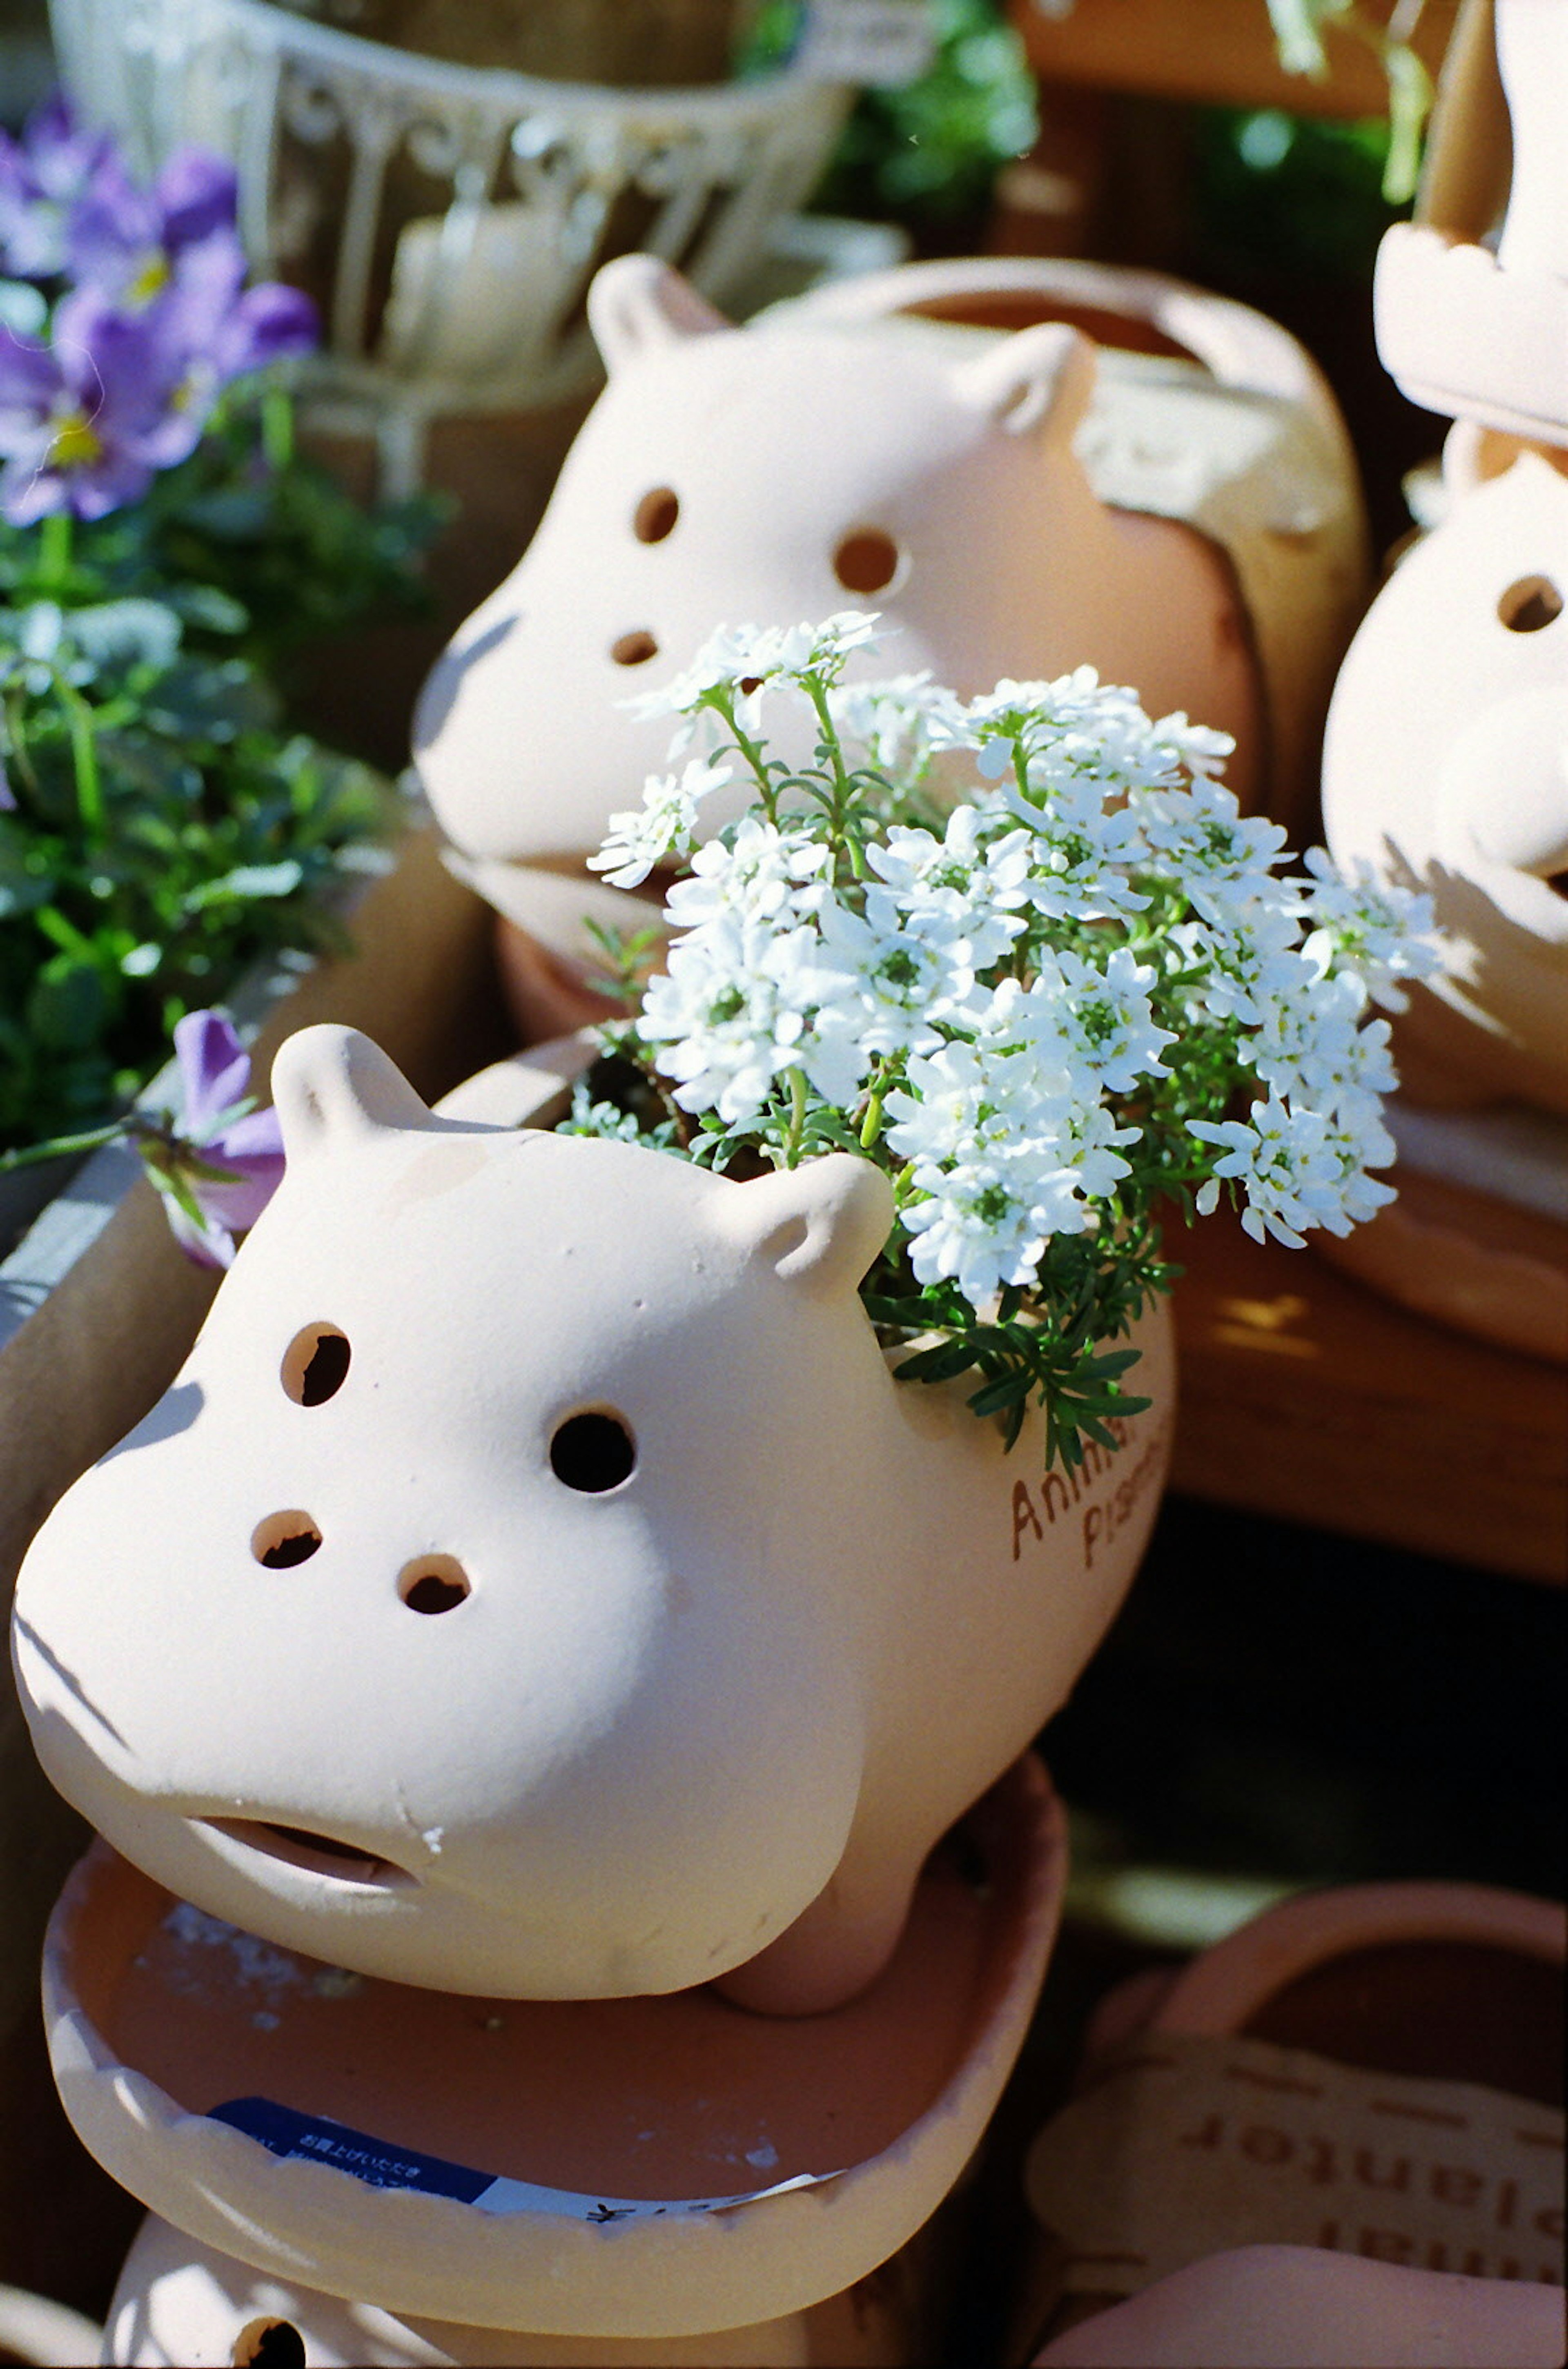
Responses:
[892,721]
[1296,1169]
[962,891]
[744,659]
[1098,1022]
[904,987]
[1381,933]
[1315,1047]
[664,825]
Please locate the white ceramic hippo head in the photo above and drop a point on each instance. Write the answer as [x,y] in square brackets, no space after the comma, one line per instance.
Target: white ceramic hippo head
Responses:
[782,473]
[1446,766]
[535,1583]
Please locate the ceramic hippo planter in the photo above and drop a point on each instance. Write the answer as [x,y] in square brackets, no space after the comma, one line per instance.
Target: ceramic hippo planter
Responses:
[809,462]
[1445,767]
[535,1585]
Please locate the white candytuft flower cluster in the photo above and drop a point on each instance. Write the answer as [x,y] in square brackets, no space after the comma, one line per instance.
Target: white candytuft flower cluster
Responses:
[1024,952]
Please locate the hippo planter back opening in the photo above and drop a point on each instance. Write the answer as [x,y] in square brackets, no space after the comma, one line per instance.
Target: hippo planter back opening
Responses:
[535,1584]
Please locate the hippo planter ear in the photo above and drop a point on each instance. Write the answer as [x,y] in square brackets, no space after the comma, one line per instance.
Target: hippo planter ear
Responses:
[329,1082]
[819,1225]
[1041,377]
[637,302]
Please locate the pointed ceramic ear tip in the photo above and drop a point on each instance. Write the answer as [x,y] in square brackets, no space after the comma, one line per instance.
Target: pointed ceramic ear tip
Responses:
[1044,373]
[332,1081]
[636,301]
[819,1225]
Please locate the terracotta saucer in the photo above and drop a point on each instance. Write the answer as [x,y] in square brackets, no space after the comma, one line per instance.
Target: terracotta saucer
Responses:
[665,2166]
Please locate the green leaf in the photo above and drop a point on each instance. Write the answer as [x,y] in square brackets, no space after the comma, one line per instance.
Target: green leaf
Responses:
[208,609]
[940,1363]
[68,1006]
[247,884]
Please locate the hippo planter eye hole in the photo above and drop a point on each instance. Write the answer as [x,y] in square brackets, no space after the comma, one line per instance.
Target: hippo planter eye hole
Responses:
[867,560]
[656,514]
[268,2344]
[634,649]
[285,1540]
[432,1584]
[1529,604]
[316,1364]
[592,1453]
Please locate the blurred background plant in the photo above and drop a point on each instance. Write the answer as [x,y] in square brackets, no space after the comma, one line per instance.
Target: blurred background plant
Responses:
[166,555]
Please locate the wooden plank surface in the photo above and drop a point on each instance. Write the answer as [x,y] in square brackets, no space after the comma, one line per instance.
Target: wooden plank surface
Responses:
[1307,1397]
[1218,53]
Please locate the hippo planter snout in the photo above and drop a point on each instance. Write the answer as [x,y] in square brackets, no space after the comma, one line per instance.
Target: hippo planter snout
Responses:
[535,1584]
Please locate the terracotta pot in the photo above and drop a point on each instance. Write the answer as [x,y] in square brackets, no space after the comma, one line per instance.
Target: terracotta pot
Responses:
[732,1624]
[534,2161]
[98,1308]
[1443,771]
[1329,2139]
[182,2305]
[1013,505]
[1471,324]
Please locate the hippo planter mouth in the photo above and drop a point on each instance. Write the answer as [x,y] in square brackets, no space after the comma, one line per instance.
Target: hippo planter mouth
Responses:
[314,1853]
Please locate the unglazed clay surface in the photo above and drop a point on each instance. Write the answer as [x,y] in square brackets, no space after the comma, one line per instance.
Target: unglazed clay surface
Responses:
[1446,767]
[1297,2307]
[779,473]
[180,2305]
[841,2131]
[1472,311]
[535,1585]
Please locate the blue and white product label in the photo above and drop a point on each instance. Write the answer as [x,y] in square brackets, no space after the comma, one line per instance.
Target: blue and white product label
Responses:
[380,2163]
[881,43]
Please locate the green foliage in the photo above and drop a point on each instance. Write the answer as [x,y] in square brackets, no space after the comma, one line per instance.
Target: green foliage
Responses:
[168,826]
[928,154]
[1289,197]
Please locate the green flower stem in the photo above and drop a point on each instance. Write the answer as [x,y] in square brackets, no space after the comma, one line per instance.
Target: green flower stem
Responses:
[84,757]
[721,699]
[55,536]
[60,1147]
[797,1118]
[871,1126]
[278,429]
[843,785]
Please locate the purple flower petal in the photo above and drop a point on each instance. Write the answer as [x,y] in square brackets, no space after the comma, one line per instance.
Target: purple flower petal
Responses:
[203,1244]
[42,179]
[214,1070]
[269,322]
[196,194]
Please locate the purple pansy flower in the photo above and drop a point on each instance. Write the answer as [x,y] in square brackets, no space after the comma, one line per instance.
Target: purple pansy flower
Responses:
[43,177]
[131,243]
[216,1161]
[172,253]
[87,420]
[159,321]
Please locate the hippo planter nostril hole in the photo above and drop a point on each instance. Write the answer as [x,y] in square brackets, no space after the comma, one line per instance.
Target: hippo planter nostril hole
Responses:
[268,2344]
[634,649]
[867,560]
[1530,604]
[592,1453]
[656,514]
[316,1364]
[285,1540]
[433,1584]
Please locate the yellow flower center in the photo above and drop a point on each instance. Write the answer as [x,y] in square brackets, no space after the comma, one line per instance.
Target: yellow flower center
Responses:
[76,445]
[152,275]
